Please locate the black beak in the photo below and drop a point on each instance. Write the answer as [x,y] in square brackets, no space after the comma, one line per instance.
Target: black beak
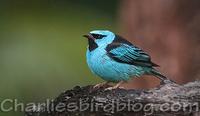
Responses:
[85,36]
[89,36]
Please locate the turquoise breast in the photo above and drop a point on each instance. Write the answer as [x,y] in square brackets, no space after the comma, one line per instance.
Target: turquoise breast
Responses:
[106,68]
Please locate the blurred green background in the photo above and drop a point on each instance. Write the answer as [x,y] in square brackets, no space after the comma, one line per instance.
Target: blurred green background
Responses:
[42,51]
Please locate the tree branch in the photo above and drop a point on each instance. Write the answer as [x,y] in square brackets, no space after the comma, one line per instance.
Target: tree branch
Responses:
[166,100]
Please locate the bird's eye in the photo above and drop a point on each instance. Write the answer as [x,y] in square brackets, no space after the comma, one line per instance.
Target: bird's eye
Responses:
[98,36]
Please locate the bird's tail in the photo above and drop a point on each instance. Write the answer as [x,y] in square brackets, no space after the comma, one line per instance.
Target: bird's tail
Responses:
[160,76]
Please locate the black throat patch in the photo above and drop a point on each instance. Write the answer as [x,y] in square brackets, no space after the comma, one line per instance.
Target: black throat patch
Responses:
[92,45]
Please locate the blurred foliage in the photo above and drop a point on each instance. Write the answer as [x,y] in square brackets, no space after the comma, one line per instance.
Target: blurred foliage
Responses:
[42,51]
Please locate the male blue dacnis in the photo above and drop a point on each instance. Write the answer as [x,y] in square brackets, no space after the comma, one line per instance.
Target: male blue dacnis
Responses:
[115,59]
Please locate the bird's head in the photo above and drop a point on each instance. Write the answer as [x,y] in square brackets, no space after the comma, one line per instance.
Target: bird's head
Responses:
[98,38]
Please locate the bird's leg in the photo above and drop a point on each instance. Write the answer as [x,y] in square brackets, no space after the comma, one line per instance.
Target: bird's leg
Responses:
[116,86]
[101,84]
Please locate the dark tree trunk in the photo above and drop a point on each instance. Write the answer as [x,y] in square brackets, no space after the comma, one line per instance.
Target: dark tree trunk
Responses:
[169,30]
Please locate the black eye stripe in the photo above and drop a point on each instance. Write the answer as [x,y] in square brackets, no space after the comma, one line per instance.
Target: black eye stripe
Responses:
[98,36]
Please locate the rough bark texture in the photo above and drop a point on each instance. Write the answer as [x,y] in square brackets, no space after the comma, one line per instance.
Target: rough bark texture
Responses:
[166,100]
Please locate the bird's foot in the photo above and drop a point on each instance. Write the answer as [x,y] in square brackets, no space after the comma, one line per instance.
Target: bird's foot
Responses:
[112,88]
[104,84]
[116,86]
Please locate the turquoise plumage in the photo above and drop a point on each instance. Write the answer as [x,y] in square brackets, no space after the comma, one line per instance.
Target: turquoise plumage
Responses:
[115,59]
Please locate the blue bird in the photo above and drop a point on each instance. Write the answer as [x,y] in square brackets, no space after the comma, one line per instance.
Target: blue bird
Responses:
[115,59]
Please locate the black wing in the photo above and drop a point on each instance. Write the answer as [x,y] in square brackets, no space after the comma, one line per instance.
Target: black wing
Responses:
[123,51]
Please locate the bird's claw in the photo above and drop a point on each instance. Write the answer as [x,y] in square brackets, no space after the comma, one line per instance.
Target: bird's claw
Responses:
[104,84]
[112,88]
[116,86]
